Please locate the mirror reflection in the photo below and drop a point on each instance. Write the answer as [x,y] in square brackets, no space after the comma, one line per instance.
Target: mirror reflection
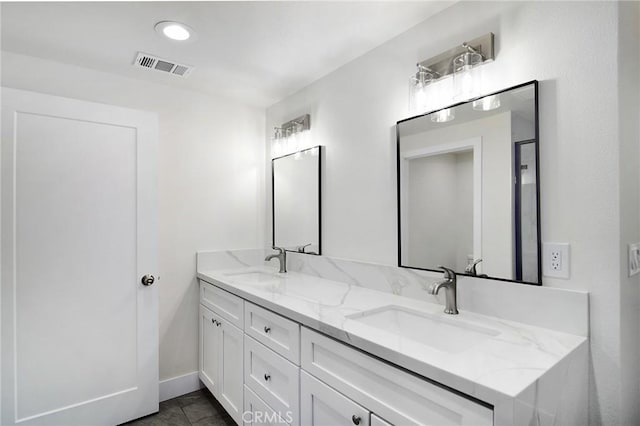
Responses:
[468,187]
[296,201]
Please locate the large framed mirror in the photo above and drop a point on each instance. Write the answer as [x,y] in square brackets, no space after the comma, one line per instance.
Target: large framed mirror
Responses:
[468,187]
[296,202]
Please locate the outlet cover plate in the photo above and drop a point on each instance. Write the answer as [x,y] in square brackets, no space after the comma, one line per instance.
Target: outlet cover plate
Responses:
[634,259]
[556,262]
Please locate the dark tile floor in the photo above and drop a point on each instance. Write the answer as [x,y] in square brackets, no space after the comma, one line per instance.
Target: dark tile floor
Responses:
[193,409]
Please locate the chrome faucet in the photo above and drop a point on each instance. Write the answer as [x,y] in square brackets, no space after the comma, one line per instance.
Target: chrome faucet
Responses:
[450,286]
[471,268]
[282,257]
[302,248]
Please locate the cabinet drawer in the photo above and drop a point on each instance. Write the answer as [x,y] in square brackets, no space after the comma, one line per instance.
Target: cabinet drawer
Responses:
[223,303]
[276,332]
[322,406]
[272,378]
[257,412]
[397,396]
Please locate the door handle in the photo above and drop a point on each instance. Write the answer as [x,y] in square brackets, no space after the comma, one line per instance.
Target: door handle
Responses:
[148,280]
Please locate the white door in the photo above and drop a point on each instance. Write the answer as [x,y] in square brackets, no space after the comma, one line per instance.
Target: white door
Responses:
[321,405]
[79,329]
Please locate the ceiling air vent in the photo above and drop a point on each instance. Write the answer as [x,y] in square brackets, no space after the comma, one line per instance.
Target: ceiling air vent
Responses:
[151,62]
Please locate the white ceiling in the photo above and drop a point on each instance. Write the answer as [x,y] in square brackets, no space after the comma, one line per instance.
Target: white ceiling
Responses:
[254,52]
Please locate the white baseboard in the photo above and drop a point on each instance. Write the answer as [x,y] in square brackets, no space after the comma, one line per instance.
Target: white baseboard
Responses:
[180,385]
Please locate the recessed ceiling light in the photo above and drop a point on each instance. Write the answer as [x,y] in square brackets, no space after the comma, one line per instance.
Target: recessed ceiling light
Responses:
[175,30]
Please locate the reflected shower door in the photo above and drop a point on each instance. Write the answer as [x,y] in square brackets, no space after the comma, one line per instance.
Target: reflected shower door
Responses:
[526,214]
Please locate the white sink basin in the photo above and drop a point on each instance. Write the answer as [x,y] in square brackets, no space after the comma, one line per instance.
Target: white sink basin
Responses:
[443,334]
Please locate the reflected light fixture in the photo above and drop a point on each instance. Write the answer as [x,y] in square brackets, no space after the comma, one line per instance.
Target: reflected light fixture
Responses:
[487,103]
[461,63]
[175,30]
[443,115]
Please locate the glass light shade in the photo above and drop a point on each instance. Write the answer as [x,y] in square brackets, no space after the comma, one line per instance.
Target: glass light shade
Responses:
[465,79]
[443,115]
[418,97]
[276,147]
[487,103]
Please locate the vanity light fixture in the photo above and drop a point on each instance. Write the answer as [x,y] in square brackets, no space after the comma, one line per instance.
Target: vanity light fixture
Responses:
[175,30]
[487,103]
[461,62]
[288,137]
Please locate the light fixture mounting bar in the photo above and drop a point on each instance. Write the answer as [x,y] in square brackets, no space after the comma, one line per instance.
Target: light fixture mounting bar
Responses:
[297,125]
[442,64]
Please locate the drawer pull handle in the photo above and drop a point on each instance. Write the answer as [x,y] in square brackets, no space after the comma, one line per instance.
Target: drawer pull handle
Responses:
[213,321]
[267,329]
[267,376]
[217,323]
[356,419]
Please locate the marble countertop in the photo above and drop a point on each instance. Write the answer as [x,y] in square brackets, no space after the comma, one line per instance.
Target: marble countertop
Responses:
[501,365]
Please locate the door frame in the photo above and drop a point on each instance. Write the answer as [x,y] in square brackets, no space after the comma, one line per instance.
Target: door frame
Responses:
[475,145]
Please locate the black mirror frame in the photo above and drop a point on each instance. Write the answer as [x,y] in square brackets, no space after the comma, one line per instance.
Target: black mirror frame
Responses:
[537,139]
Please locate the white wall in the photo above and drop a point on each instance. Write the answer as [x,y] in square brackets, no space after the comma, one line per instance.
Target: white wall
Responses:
[210,180]
[431,189]
[573,49]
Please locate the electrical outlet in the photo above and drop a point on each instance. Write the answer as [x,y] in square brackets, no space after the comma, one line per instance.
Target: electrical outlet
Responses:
[634,259]
[555,260]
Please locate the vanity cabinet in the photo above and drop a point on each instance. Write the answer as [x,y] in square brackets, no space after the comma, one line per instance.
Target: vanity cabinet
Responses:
[266,369]
[220,360]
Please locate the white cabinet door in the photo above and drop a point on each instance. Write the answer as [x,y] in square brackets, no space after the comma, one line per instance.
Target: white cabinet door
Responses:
[220,361]
[230,374]
[79,329]
[209,350]
[320,405]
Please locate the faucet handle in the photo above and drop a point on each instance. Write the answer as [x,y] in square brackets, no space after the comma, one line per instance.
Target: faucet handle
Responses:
[280,250]
[449,274]
[301,248]
[471,268]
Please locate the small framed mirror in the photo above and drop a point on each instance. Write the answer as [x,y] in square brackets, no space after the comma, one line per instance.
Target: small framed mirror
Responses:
[468,192]
[296,180]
